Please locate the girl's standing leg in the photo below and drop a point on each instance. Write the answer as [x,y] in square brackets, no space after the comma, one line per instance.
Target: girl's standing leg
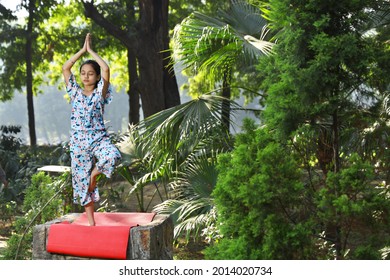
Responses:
[90,211]
[82,162]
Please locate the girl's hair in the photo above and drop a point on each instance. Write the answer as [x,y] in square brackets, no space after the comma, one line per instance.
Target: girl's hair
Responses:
[94,65]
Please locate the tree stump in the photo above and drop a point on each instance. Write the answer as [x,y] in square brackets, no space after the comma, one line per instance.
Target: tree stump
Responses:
[153,241]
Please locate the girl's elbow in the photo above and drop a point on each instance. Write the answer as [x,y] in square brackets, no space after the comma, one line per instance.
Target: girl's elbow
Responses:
[106,70]
[65,69]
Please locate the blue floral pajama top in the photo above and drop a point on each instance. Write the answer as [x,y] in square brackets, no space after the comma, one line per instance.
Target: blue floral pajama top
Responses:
[89,141]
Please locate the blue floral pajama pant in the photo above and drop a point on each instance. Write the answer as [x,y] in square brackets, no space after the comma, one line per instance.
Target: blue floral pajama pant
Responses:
[85,153]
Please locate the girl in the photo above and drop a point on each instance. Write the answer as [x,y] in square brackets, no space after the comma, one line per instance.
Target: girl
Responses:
[92,152]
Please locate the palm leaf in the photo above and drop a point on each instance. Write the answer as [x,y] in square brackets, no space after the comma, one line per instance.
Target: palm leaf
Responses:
[192,189]
[237,34]
[184,125]
[380,17]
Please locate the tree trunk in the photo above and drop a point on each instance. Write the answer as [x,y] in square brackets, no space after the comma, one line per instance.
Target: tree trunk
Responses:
[150,57]
[171,89]
[226,93]
[29,76]
[134,102]
[133,91]
[158,89]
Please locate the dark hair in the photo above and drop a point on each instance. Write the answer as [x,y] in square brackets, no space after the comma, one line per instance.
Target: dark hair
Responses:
[95,67]
[94,64]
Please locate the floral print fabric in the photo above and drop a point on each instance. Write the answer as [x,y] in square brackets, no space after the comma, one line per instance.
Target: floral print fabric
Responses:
[89,142]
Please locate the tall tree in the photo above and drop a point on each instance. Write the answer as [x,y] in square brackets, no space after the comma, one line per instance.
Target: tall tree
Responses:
[325,86]
[29,72]
[313,181]
[18,71]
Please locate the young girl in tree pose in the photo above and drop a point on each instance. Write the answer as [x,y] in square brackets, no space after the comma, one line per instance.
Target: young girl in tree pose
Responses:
[92,152]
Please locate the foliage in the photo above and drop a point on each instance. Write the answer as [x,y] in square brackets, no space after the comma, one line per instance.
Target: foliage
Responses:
[180,10]
[216,46]
[268,209]
[21,165]
[325,109]
[191,204]
[359,204]
[9,145]
[259,197]
[24,72]
[41,204]
[176,150]
[70,35]
[8,140]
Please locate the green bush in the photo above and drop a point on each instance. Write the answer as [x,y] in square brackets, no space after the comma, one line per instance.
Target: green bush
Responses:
[355,207]
[258,199]
[44,201]
[269,208]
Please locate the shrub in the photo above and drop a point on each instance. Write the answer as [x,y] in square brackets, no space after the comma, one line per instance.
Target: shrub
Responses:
[258,199]
[269,208]
[42,203]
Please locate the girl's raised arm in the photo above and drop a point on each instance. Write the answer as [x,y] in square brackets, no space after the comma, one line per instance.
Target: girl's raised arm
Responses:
[69,63]
[104,68]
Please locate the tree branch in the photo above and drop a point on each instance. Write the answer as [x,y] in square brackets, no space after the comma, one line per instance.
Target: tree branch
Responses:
[91,12]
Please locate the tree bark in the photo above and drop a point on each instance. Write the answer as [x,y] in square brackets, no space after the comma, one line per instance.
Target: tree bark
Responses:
[171,88]
[149,55]
[226,93]
[29,75]
[133,91]
[134,98]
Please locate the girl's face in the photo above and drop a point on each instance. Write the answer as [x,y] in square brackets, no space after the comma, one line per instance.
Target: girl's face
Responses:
[88,75]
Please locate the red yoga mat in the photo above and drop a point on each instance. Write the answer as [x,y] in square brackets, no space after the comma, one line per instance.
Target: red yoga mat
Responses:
[107,240]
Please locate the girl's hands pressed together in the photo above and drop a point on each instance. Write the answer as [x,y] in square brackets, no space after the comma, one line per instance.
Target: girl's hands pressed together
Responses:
[85,49]
[88,42]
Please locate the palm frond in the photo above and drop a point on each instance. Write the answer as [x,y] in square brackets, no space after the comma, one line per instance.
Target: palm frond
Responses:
[183,125]
[190,216]
[386,104]
[236,34]
[195,42]
[193,226]
[381,16]
[244,17]
[264,46]
[199,175]
[163,145]
[192,189]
